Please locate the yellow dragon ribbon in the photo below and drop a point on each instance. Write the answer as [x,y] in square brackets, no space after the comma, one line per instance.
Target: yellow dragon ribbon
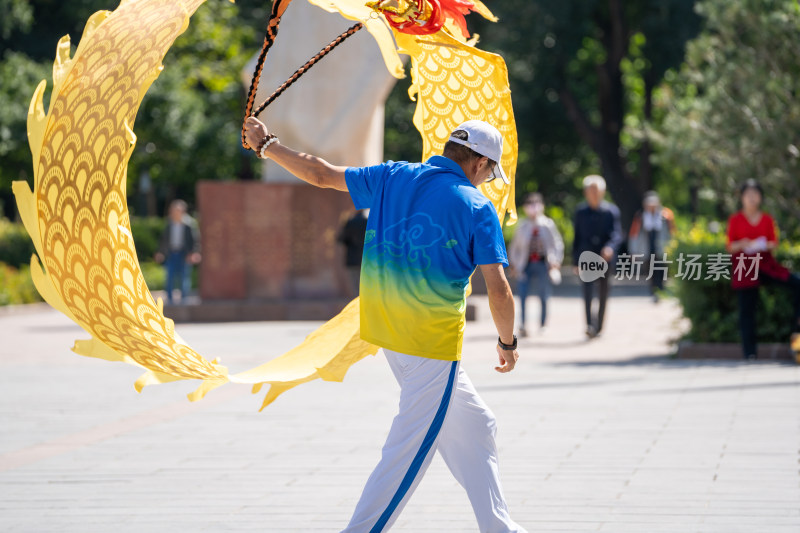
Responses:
[77,215]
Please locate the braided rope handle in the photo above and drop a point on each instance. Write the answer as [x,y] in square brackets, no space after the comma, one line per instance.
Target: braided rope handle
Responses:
[278,8]
[307,66]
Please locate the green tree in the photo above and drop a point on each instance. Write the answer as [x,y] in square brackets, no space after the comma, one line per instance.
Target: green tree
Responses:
[583,75]
[189,123]
[16,14]
[733,112]
[188,126]
[19,76]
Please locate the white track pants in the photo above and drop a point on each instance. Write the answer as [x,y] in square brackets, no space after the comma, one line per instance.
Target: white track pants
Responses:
[439,409]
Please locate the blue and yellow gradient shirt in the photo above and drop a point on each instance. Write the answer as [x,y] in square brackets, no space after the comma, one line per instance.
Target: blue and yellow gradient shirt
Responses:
[428,229]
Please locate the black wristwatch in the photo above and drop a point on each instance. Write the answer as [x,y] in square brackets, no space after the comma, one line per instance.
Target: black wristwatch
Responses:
[512,346]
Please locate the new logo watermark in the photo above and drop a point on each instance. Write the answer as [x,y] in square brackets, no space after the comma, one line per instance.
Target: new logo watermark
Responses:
[714,266]
[591,267]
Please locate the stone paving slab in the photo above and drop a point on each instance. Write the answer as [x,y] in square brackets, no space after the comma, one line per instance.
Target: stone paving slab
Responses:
[610,435]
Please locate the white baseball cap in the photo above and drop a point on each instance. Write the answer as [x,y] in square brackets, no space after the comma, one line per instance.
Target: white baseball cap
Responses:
[484,139]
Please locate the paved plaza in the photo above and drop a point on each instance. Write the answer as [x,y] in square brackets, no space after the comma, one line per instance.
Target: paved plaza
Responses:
[610,435]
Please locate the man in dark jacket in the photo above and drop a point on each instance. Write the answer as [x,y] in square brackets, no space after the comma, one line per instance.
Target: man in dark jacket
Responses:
[597,230]
[179,249]
[352,236]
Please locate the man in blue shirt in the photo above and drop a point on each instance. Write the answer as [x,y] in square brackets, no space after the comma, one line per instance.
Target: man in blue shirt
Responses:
[429,228]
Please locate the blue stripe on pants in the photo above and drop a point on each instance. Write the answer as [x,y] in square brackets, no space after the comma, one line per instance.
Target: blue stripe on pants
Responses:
[416,464]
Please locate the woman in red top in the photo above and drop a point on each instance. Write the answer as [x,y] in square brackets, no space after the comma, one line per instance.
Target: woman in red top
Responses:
[751,239]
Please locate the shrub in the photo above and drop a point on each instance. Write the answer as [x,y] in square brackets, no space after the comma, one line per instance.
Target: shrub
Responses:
[155,275]
[16,247]
[563,222]
[146,234]
[711,306]
[16,286]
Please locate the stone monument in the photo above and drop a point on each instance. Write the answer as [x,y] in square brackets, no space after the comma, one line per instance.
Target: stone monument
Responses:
[273,242]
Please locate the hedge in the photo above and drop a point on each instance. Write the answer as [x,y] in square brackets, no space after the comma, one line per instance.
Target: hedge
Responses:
[711,306]
[16,249]
[146,234]
[16,246]
[16,286]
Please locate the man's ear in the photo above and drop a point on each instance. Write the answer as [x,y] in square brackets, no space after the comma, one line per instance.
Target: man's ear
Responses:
[474,164]
[480,164]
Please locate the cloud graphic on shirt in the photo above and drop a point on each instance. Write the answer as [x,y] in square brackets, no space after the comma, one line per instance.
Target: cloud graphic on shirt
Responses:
[404,244]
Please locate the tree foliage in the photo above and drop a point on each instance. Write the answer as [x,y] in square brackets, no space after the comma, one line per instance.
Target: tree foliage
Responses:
[594,82]
[16,14]
[19,76]
[583,74]
[189,123]
[733,113]
[188,126]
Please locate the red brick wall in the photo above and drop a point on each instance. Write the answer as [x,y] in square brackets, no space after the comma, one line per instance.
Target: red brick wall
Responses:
[271,241]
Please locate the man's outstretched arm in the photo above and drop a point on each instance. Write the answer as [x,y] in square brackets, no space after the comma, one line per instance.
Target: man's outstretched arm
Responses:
[309,168]
[501,303]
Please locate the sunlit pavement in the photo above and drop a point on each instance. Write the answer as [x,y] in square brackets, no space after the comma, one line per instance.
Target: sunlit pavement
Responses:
[602,435]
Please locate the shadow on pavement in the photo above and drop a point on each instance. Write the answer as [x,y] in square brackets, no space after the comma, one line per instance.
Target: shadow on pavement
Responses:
[570,384]
[533,342]
[670,361]
[716,388]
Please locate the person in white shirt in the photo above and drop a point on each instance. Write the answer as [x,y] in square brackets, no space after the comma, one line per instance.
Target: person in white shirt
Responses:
[535,254]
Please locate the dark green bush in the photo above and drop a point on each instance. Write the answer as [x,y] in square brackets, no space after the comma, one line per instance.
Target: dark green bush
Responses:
[146,234]
[154,275]
[711,306]
[16,247]
[16,286]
